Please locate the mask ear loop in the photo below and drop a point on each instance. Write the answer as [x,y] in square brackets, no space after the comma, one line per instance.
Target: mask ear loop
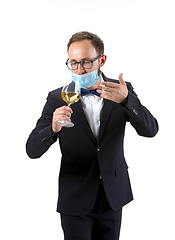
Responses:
[100,73]
[98,69]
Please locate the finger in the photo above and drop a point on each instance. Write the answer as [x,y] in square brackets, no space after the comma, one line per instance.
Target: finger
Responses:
[65,108]
[62,118]
[66,115]
[122,82]
[58,119]
[105,89]
[69,109]
[107,95]
[109,84]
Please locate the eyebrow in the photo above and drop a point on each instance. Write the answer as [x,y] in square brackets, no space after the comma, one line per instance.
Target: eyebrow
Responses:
[83,59]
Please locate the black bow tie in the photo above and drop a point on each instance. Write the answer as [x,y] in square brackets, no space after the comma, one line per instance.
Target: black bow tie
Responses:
[86,91]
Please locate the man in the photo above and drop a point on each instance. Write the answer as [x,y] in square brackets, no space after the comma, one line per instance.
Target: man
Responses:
[93,181]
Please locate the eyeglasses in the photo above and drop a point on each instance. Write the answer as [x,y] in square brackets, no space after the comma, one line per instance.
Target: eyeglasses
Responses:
[85,63]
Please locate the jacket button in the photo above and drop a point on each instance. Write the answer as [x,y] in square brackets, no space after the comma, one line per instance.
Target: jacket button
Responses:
[134,111]
[99,149]
[43,139]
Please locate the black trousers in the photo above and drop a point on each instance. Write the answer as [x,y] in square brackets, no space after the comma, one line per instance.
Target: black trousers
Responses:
[101,224]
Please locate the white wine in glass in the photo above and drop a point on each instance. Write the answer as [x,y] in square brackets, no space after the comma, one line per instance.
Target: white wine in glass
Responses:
[70,97]
[70,94]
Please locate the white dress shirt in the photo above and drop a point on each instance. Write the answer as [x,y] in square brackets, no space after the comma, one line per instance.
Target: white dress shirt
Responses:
[92,106]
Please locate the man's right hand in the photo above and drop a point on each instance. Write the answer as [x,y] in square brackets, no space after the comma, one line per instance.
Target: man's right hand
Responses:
[62,113]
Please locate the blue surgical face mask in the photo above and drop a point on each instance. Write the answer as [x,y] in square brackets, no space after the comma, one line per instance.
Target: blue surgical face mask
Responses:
[86,80]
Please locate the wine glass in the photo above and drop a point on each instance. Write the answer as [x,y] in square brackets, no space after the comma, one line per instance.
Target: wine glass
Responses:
[70,94]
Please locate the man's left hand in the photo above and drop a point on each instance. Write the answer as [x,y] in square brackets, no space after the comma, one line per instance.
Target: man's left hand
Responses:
[113,91]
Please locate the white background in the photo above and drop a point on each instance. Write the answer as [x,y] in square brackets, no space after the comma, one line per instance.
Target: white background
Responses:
[139,41]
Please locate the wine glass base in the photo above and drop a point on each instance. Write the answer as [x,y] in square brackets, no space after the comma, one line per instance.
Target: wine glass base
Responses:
[66,123]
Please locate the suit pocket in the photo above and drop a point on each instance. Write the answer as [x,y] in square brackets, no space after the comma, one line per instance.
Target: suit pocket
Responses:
[121,168]
[70,176]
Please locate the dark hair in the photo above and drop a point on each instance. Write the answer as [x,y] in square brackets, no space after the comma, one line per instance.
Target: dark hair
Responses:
[95,40]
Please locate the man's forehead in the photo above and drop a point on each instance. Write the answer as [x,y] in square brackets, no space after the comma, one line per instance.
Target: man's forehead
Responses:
[81,51]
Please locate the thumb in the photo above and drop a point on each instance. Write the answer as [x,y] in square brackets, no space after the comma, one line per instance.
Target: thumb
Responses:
[122,82]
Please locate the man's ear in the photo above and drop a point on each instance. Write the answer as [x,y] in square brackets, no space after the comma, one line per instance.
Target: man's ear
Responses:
[103,60]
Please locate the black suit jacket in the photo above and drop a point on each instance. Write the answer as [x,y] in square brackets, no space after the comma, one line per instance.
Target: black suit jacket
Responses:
[84,158]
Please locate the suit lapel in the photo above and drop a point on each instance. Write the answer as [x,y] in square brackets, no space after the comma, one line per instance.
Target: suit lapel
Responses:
[80,118]
[105,116]
[105,111]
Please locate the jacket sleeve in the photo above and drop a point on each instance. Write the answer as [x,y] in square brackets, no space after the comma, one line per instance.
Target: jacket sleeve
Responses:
[41,137]
[139,116]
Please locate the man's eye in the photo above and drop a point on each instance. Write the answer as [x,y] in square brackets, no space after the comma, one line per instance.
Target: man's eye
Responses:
[73,64]
[86,63]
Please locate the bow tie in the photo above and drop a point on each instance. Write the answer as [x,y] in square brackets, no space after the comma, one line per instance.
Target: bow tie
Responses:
[86,91]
